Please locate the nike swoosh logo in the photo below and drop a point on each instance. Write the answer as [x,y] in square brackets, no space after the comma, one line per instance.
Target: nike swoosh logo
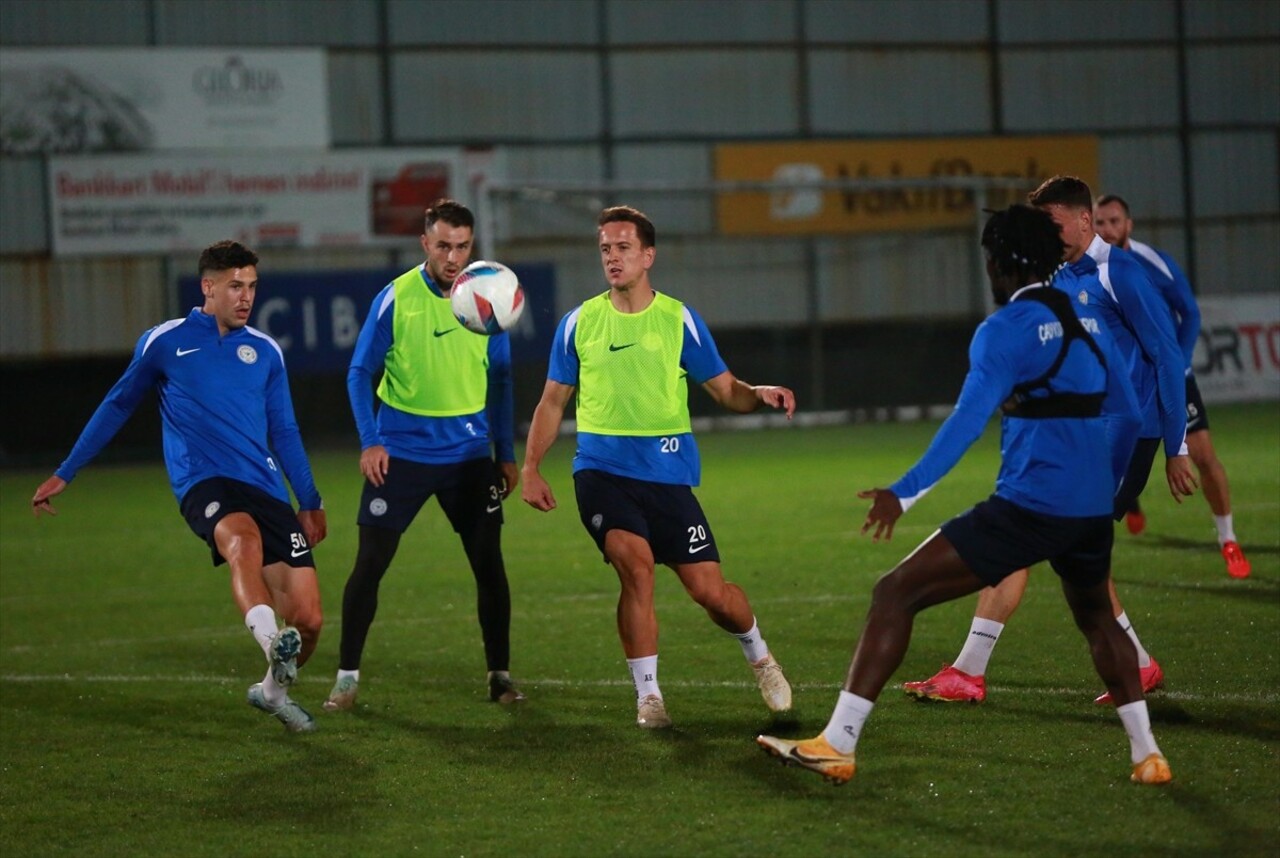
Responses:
[699,548]
[187,352]
[493,508]
[442,333]
[614,348]
[296,553]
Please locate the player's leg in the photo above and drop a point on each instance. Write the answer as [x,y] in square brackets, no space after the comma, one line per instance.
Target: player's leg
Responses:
[295,593]
[632,559]
[932,574]
[1113,653]
[964,680]
[474,508]
[1217,491]
[727,606]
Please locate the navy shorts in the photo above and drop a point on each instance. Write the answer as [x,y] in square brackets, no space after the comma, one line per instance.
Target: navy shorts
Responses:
[996,538]
[209,501]
[1197,417]
[668,516]
[469,492]
[1135,479]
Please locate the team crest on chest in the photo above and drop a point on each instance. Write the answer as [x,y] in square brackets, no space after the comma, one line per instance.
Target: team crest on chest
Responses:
[247,354]
[1083,297]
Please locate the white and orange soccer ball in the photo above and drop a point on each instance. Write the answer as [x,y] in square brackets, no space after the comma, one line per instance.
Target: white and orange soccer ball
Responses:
[487,298]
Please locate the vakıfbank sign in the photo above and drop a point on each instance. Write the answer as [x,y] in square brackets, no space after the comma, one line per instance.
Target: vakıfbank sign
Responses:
[803,211]
[137,99]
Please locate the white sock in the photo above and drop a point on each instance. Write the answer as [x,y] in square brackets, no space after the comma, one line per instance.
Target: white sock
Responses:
[644,673]
[846,722]
[977,649]
[1137,723]
[1144,660]
[753,645]
[354,674]
[1226,529]
[261,622]
[272,691]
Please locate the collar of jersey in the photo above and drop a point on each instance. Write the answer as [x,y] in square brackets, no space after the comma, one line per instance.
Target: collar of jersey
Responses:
[431,284]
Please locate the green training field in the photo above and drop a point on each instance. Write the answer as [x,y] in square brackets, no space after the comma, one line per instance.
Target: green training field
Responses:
[124,731]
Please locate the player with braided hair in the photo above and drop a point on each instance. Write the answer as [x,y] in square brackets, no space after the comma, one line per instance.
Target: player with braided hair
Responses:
[1052,369]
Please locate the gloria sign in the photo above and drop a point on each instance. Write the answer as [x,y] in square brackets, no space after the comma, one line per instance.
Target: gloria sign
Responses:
[133,99]
[803,211]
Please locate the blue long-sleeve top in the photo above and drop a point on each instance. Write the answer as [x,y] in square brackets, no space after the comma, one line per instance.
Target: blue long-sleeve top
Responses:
[225,408]
[419,438]
[1174,288]
[1122,295]
[1063,466]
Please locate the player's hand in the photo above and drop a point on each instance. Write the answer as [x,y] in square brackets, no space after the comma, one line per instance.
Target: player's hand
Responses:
[536,493]
[510,478]
[374,462]
[777,397]
[314,526]
[49,488]
[1182,482]
[885,511]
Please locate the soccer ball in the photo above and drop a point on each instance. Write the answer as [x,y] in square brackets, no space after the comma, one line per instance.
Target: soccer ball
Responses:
[487,298]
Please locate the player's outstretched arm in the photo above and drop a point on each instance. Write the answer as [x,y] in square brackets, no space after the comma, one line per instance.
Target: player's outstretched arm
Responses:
[543,430]
[49,488]
[736,395]
[885,511]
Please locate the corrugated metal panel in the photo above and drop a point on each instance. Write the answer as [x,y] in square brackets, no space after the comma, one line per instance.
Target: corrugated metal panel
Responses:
[1086,20]
[78,307]
[1235,83]
[23,214]
[574,217]
[1238,258]
[723,93]
[730,283]
[355,98]
[901,275]
[700,21]
[1235,173]
[1145,169]
[82,23]
[691,214]
[492,22]
[1236,18]
[483,96]
[1077,90]
[896,21]
[278,22]
[899,92]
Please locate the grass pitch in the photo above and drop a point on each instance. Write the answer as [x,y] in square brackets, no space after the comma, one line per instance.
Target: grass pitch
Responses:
[124,731]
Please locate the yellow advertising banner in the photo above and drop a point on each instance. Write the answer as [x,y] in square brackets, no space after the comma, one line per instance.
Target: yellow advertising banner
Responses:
[807,210]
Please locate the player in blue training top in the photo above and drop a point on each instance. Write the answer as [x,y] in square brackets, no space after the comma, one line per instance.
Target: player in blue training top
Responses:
[629,354]
[1067,404]
[229,431]
[1114,287]
[445,401]
[1112,220]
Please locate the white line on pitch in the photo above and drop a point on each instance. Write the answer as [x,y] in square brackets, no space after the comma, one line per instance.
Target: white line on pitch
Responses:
[1182,696]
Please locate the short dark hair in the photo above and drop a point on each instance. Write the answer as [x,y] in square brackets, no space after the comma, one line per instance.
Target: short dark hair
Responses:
[451,212]
[1068,191]
[1108,199]
[627,214]
[1023,241]
[225,255]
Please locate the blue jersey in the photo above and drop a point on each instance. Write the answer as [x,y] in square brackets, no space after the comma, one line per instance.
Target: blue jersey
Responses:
[1168,278]
[419,438]
[1063,466]
[225,407]
[1120,292]
[670,459]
